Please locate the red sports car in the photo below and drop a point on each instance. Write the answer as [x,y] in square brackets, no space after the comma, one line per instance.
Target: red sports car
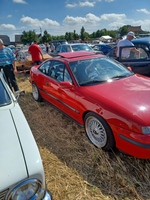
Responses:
[99,93]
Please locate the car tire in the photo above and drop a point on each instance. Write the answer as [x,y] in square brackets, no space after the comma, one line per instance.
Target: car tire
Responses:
[98,131]
[35,92]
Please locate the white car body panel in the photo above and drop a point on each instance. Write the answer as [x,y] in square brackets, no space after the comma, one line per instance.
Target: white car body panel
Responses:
[12,165]
[20,159]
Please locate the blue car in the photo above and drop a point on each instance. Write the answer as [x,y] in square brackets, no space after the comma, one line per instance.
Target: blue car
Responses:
[105,48]
[138,62]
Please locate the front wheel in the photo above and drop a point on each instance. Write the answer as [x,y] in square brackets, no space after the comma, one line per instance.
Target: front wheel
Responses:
[98,131]
[35,92]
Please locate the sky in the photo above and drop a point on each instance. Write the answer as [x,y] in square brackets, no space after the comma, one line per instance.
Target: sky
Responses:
[60,16]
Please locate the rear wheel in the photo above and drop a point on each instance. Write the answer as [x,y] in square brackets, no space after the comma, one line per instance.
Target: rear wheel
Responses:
[35,92]
[98,131]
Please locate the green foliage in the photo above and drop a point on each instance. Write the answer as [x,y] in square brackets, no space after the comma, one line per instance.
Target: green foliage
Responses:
[123,30]
[30,36]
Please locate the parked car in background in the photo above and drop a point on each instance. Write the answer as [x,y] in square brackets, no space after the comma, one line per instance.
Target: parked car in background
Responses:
[101,94]
[142,42]
[138,63]
[58,42]
[74,47]
[21,170]
[105,48]
[12,47]
[24,60]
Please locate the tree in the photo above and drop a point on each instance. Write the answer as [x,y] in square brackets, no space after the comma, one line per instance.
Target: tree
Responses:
[82,33]
[46,37]
[28,37]
[123,30]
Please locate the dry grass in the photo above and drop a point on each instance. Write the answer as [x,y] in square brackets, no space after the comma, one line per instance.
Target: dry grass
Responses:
[74,168]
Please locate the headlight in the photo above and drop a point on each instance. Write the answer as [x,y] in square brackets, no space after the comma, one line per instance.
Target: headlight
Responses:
[29,189]
[146,130]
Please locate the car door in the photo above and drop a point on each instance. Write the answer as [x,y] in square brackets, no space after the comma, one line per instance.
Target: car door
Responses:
[67,92]
[139,62]
[48,84]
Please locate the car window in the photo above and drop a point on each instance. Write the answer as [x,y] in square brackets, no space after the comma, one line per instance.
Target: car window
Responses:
[45,67]
[112,52]
[97,70]
[130,53]
[4,97]
[59,72]
[58,49]
[98,48]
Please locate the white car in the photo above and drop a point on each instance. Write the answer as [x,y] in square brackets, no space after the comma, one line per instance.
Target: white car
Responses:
[21,170]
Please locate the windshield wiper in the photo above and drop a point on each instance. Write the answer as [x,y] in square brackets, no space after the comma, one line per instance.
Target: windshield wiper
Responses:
[92,82]
[119,76]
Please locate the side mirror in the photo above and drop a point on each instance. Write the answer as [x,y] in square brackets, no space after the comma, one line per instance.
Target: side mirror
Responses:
[65,84]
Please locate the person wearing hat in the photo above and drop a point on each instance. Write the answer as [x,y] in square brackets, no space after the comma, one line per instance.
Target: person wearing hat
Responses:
[7,63]
[126,42]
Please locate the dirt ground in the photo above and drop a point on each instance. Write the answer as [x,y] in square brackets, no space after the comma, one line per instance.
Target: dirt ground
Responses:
[74,168]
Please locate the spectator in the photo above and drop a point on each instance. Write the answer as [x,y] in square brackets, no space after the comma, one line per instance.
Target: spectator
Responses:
[52,47]
[126,42]
[36,53]
[47,47]
[7,63]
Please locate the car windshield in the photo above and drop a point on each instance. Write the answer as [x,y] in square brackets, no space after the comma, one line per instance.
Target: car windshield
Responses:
[4,97]
[80,47]
[98,70]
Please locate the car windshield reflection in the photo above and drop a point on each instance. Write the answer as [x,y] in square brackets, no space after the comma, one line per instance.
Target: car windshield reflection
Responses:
[4,97]
[98,70]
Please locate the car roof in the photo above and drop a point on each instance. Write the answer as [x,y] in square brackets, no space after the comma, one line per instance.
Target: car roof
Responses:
[73,44]
[102,44]
[78,55]
[145,40]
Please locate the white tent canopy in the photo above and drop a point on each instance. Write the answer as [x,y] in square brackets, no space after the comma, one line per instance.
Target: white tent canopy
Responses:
[105,38]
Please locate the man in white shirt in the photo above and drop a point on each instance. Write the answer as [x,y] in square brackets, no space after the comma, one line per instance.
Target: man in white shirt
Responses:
[126,42]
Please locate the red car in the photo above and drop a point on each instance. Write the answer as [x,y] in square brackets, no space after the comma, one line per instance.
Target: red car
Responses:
[110,101]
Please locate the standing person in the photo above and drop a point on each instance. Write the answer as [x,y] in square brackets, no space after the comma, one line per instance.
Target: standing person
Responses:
[52,47]
[126,42]
[47,48]
[7,63]
[36,53]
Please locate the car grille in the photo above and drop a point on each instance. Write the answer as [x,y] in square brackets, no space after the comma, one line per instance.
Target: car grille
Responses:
[3,194]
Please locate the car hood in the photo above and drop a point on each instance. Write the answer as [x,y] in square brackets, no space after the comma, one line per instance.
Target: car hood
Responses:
[128,96]
[12,164]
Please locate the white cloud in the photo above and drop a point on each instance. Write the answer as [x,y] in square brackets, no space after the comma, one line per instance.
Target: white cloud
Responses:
[7,27]
[87,4]
[69,20]
[109,1]
[71,5]
[143,10]
[34,23]
[113,17]
[83,4]
[20,1]
[9,16]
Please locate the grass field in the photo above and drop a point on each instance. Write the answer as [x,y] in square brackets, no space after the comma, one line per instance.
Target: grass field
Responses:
[74,168]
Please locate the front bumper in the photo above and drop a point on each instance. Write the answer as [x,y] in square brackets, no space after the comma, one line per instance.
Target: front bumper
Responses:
[131,143]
